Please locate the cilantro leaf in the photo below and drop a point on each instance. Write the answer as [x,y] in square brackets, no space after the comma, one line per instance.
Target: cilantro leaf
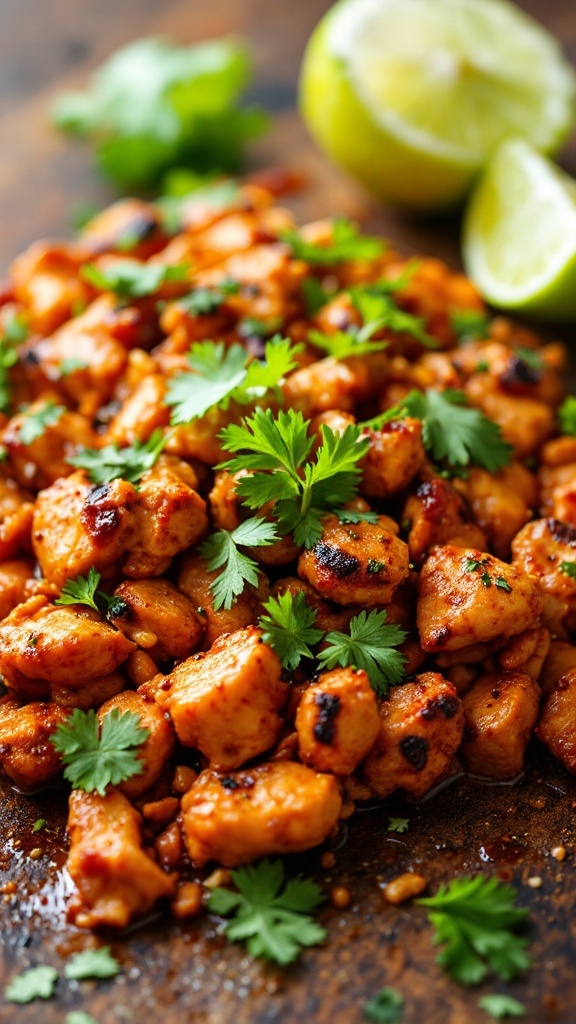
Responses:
[470,324]
[378,310]
[343,344]
[384,1008]
[39,824]
[369,646]
[500,1006]
[95,757]
[8,357]
[270,915]
[112,463]
[476,921]
[346,244]
[568,569]
[455,433]
[36,983]
[70,365]
[79,1017]
[82,590]
[531,357]
[35,423]
[315,294]
[221,375]
[567,416]
[154,106]
[15,328]
[131,279]
[221,551]
[92,963]
[289,628]
[398,825]
[203,301]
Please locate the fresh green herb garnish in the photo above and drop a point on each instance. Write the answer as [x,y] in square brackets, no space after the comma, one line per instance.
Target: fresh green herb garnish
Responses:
[253,327]
[131,279]
[8,357]
[35,423]
[470,324]
[531,357]
[222,375]
[346,244]
[35,983]
[378,309]
[385,1008]
[567,416]
[15,329]
[475,919]
[500,1006]
[154,106]
[454,433]
[39,824]
[569,569]
[221,551]
[270,915]
[370,645]
[70,365]
[184,190]
[276,452]
[92,963]
[84,590]
[203,301]
[398,824]
[315,295]
[289,628]
[79,1017]
[473,564]
[113,463]
[95,755]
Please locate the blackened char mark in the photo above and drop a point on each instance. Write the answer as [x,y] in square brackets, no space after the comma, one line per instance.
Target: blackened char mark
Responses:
[443,705]
[415,750]
[99,516]
[563,533]
[328,707]
[341,564]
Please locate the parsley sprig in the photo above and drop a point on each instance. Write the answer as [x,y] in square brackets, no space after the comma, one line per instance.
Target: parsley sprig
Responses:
[204,301]
[271,915]
[8,357]
[347,243]
[35,983]
[84,590]
[112,463]
[568,569]
[275,451]
[384,1008]
[96,756]
[289,628]
[221,551]
[221,375]
[476,921]
[92,963]
[470,324]
[131,279]
[567,416]
[499,1006]
[35,422]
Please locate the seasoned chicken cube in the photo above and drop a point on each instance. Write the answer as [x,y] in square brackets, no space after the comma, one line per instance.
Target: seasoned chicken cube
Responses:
[39,462]
[526,652]
[155,751]
[157,617]
[337,721]
[502,503]
[394,457]
[14,577]
[116,880]
[142,412]
[467,597]
[194,580]
[436,514]
[46,281]
[557,725]
[524,421]
[421,727]
[227,702]
[26,754]
[541,549]
[63,645]
[560,660]
[282,807]
[93,693]
[500,710]
[16,511]
[335,384]
[360,563]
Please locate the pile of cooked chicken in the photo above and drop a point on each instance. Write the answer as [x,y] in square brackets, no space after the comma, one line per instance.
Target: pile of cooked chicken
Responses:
[242,760]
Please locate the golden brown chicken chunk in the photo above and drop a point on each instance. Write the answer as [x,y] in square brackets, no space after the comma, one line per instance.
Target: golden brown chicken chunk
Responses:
[500,710]
[394,457]
[156,750]
[157,617]
[26,753]
[93,693]
[421,727]
[194,580]
[16,511]
[39,461]
[557,725]
[467,596]
[502,503]
[356,563]
[227,702]
[337,721]
[116,880]
[66,646]
[282,807]
[560,660]
[545,548]
[46,279]
[14,577]
[436,514]
[335,384]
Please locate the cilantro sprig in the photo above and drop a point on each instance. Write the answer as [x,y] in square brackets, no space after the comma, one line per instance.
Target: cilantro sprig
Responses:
[131,279]
[568,569]
[276,453]
[112,463]
[204,301]
[84,590]
[221,375]
[271,915]
[35,422]
[35,983]
[8,357]
[470,324]
[567,416]
[346,243]
[92,963]
[221,551]
[384,1008]
[95,755]
[499,1007]
[476,921]
[289,628]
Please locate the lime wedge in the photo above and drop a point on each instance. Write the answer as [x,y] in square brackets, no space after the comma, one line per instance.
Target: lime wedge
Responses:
[413,96]
[520,234]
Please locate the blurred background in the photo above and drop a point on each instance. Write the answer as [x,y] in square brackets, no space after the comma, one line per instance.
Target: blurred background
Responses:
[54,45]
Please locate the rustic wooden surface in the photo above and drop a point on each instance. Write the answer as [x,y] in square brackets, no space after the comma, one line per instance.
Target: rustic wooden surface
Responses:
[176,973]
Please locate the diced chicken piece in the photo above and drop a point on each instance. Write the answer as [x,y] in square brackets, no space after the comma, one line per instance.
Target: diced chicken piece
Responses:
[557,479]
[227,702]
[467,597]
[93,693]
[436,514]
[16,511]
[561,659]
[360,563]
[557,725]
[157,617]
[526,652]
[502,502]
[421,727]
[155,751]
[199,439]
[394,457]
[46,281]
[500,710]
[126,219]
[337,721]
[13,579]
[525,422]
[335,384]
[116,880]
[282,807]
[63,645]
[26,753]
[540,549]
[43,460]
[142,412]
[194,580]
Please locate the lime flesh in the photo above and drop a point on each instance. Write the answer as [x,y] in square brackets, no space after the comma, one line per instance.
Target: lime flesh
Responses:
[413,96]
[519,235]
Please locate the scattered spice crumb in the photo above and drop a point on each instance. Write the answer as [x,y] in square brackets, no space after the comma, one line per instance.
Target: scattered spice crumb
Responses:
[404,887]
[340,897]
[327,859]
[558,852]
[534,882]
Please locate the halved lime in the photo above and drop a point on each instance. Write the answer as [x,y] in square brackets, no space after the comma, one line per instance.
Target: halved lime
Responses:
[413,96]
[520,234]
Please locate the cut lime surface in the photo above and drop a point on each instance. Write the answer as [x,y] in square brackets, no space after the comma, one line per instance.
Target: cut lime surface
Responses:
[413,96]
[520,234]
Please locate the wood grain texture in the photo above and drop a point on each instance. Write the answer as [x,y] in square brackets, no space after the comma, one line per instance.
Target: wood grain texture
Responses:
[174,973]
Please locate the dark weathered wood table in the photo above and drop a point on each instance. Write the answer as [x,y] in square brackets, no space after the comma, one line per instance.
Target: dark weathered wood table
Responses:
[175,973]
